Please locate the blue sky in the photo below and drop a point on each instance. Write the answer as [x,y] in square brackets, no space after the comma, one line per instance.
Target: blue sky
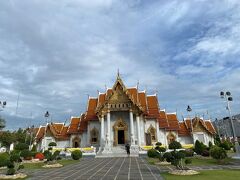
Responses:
[55,52]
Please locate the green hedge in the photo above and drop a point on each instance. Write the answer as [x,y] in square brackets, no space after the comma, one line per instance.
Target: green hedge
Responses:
[76,155]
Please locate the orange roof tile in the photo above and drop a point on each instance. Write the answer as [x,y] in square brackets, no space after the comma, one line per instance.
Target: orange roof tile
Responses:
[210,127]
[143,101]
[74,125]
[183,131]
[133,94]
[40,133]
[153,109]
[101,99]
[173,122]
[92,105]
[163,122]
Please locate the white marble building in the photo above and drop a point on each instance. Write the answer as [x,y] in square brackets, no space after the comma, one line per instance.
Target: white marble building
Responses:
[124,115]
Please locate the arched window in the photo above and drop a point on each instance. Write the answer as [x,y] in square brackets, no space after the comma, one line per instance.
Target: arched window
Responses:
[76,142]
[94,136]
[171,137]
[152,133]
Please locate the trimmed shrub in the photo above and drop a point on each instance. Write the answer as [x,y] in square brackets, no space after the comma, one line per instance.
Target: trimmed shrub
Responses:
[168,156]
[46,153]
[188,161]
[218,153]
[34,148]
[52,144]
[76,155]
[3,158]
[26,154]
[152,153]
[9,164]
[21,146]
[175,145]
[21,166]
[15,158]
[199,147]
[39,156]
[225,145]
[205,153]
[210,144]
[158,144]
[175,158]
[11,171]
[189,153]
[160,149]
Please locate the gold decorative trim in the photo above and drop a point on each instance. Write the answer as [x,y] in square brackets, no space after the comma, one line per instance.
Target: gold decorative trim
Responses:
[120,125]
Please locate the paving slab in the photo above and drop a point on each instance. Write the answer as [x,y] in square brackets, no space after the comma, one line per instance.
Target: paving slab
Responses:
[102,169]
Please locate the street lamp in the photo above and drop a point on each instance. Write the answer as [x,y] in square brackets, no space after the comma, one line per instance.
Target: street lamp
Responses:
[228,97]
[46,115]
[189,109]
[3,104]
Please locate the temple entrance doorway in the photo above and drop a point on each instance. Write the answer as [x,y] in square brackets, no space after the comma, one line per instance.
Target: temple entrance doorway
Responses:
[121,137]
[120,132]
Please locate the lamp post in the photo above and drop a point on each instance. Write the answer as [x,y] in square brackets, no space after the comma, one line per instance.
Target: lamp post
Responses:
[3,104]
[189,109]
[228,97]
[46,115]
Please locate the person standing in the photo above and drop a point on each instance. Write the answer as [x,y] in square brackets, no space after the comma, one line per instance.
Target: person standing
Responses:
[128,149]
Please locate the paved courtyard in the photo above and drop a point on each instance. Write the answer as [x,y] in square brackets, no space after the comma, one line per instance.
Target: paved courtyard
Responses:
[102,168]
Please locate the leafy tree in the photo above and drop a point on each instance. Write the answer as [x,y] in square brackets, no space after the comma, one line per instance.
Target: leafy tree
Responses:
[175,145]
[217,140]
[218,153]
[152,153]
[7,138]
[225,145]
[210,144]
[199,147]
[21,146]
[160,150]
[2,123]
[176,158]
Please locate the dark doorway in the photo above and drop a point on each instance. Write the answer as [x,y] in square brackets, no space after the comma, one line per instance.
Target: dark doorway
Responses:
[148,139]
[121,137]
[76,144]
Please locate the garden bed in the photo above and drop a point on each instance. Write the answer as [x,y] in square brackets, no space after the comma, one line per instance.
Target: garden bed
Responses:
[56,165]
[183,172]
[15,176]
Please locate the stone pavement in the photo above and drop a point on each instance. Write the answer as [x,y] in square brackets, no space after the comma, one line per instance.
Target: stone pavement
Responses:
[101,169]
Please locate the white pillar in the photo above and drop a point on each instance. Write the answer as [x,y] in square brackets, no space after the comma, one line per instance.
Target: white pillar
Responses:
[108,126]
[131,127]
[157,127]
[138,130]
[102,130]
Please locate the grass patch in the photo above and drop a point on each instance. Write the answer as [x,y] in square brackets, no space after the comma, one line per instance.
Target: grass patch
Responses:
[198,161]
[152,160]
[64,162]
[206,175]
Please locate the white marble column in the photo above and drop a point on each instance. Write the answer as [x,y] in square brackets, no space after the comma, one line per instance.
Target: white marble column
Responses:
[157,127]
[131,127]
[102,130]
[108,126]
[138,130]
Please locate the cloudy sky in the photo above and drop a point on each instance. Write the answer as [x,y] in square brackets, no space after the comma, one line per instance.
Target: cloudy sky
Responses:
[55,52]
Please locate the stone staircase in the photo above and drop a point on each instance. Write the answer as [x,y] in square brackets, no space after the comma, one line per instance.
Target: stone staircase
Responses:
[117,151]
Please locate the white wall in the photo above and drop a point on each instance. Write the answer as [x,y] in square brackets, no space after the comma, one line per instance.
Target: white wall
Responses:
[185,140]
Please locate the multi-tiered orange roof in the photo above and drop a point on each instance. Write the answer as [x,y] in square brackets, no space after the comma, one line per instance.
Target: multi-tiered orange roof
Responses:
[148,104]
